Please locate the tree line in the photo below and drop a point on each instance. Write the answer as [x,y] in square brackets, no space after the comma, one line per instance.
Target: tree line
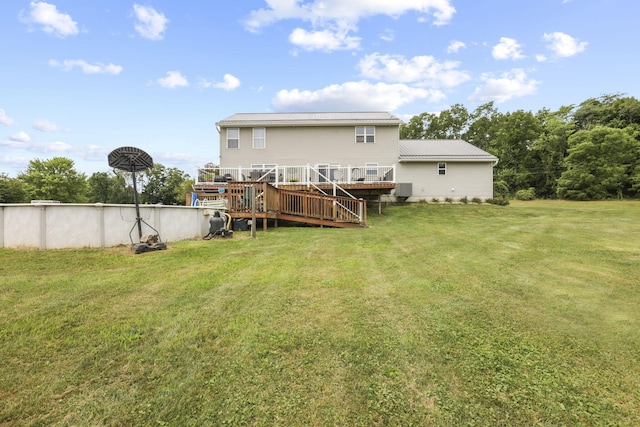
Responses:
[57,179]
[586,152]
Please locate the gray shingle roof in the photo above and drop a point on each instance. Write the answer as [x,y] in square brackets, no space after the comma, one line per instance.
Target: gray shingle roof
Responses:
[310,119]
[416,150]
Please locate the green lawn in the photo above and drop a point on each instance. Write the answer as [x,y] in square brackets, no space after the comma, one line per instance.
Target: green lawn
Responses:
[445,315]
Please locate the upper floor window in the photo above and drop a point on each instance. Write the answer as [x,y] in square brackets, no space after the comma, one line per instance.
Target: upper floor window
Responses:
[259,138]
[365,134]
[442,168]
[233,138]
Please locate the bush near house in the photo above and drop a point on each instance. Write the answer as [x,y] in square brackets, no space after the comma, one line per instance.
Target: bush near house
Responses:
[528,194]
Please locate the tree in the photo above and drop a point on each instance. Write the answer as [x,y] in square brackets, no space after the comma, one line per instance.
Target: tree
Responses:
[55,179]
[602,163]
[164,185]
[12,190]
[448,124]
[110,188]
[614,110]
[482,126]
[550,149]
[514,138]
[415,129]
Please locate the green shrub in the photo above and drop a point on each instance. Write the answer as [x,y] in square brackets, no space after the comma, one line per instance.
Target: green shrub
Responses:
[499,200]
[435,200]
[477,200]
[464,200]
[500,189]
[448,199]
[528,194]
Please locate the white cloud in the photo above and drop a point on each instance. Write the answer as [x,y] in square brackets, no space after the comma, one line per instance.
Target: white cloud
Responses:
[92,152]
[512,84]
[52,21]
[507,48]
[173,80]
[332,20]
[86,152]
[541,58]
[325,40]
[455,46]
[182,161]
[563,45]
[97,68]
[16,164]
[229,83]
[352,11]
[4,119]
[388,35]
[151,24]
[20,137]
[425,71]
[39,147]
[353,96]
[46,126]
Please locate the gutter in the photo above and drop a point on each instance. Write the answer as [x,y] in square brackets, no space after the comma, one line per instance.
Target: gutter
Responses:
[494,160]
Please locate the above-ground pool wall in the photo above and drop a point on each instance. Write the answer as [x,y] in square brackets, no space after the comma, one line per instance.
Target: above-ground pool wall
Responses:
[58,226]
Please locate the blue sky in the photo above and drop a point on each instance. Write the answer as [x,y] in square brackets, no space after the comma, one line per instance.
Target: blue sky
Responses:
[81,78]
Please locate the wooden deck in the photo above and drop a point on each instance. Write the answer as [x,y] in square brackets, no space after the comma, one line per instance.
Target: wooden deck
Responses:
[286,203]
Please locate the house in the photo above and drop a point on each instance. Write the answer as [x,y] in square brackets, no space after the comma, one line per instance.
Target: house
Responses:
[445,168]
[358,152]
[328,142]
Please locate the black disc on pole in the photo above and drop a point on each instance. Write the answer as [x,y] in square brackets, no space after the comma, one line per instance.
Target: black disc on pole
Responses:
[130,159]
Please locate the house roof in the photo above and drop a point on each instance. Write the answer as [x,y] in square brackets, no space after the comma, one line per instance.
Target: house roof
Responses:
[424,150]
[371,118]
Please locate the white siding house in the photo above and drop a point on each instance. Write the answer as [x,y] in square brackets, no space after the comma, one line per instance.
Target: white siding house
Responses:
[294,139]
[445,168]
[366,142]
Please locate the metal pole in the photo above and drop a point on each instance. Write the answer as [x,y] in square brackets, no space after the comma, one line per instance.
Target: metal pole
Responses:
[135,199]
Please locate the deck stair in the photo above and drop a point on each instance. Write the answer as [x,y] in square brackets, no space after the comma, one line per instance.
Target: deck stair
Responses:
[309,206]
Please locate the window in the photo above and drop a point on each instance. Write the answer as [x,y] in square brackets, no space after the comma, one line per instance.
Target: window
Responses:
[442,168]
[372,169]
[233,138]
[365,134]
[259,138]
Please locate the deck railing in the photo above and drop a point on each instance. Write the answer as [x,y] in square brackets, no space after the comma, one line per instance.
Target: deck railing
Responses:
[281,202]
[283,175]
[322,207]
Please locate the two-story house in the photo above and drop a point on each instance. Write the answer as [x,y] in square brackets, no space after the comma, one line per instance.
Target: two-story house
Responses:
[357,151]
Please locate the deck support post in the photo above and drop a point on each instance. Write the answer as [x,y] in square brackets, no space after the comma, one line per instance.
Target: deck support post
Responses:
[253,211]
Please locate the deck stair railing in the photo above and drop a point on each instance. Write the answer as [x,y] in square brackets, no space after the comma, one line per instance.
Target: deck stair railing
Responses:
[322,206]
[294,205]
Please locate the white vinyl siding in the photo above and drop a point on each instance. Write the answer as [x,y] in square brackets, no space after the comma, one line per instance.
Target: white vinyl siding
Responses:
[259,138]
[233,138]
[365,134]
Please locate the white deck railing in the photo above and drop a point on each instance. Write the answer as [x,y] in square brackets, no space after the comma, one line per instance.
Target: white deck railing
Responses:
[308,175]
